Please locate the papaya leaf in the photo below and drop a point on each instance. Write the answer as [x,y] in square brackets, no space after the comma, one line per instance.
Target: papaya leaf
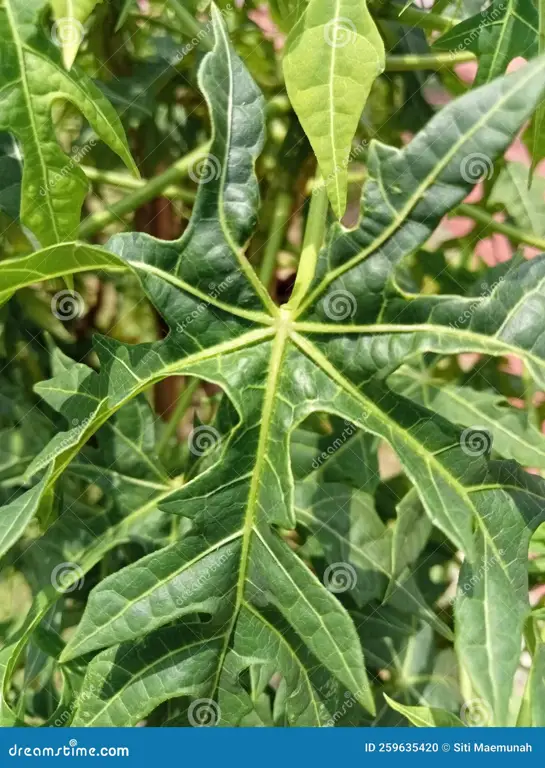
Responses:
[68,31]
[234,576]
[426,717]
[500,33]
[32,80]
[333,55]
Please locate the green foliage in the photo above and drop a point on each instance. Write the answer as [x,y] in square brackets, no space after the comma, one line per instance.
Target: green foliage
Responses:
[333,55]
[330,523]
[497,34]
[53,185]
[70,15]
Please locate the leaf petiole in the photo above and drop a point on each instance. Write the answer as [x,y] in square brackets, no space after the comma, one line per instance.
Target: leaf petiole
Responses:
[312,242]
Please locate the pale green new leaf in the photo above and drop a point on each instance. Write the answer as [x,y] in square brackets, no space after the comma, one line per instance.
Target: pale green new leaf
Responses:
[333,55]
[70,16]
[426,717]
[53,262]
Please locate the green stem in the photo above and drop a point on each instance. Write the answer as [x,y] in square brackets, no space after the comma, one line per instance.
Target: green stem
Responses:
[514,234]
[152,189]
[314,236]
[184,401]
[124,181]
[416,18]
[473,212]
[191,26]
[410,61]
[279,223]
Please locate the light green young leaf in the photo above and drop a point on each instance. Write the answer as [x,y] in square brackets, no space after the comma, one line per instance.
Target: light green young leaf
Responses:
[333,55]
[55,261]
[31,80]
[68,31]
[426,717]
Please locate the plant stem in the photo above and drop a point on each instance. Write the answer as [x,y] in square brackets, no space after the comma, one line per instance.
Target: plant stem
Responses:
[473,212]
[124,181]
[152,189]
[410,61]
[184,401]
[312,242]
[279,223]
[191,26]
[416,18]
[514,234]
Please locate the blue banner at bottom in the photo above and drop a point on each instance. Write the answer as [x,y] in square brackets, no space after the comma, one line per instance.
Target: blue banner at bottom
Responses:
[275,747]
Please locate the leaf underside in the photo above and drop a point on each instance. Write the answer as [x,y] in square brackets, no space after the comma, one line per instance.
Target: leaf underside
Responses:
[231,601]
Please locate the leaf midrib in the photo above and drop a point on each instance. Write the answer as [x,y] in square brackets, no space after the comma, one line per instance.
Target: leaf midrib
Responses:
[501,345]
[415,197]
[329,369]
[158,583]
